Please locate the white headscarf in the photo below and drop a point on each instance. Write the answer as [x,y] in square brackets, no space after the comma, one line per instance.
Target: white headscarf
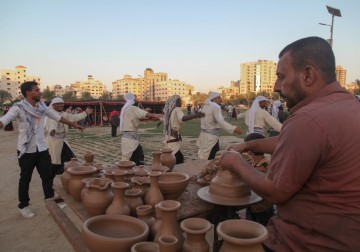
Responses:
[208,101]
[53,101]
[130,100]
[254,107]
[275,108]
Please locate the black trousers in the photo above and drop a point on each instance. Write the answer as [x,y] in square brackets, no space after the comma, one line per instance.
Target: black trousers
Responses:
[179,157]
[138,156]
[215,149]
[66,155]
[27,162]
[113,131]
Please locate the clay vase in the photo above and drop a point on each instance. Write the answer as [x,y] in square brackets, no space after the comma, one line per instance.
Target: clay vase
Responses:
[142,183]
[167,158]
[241,235]
[141,171]
[195,229]
[145,213]
[78,173]
[65,177]
[85,188]
[155,227]
[118,205]
[98,196]
[168,243]
[153,195]
[145,247]
[169,225]
[89,158]
[119,175]
[132,197]
[156,164]
[108,173]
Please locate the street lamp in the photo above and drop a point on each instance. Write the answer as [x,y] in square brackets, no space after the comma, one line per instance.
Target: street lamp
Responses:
[333,12]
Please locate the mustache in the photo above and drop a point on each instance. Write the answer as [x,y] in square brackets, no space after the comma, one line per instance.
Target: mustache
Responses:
[281,95]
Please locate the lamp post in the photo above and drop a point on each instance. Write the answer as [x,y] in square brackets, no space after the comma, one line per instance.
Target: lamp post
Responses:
[334,12]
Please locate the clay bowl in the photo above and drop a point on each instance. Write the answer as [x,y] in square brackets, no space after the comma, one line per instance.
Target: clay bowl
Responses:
[112,233]
[173,184]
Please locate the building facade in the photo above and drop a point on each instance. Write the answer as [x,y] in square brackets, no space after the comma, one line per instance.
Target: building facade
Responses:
[257,76]
[230,92]
[127,84]
[11,80]
[165,89]
[94,87]
[341,75]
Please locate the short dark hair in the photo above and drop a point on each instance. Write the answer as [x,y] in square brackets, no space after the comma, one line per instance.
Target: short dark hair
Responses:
[313,51]
[27,86]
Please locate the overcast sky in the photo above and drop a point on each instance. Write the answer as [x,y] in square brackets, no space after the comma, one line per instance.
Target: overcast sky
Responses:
[201,42]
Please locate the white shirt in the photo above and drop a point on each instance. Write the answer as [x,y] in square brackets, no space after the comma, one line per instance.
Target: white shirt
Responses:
[38,139]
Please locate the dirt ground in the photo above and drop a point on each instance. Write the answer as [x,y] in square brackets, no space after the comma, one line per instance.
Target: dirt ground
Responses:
[41,233]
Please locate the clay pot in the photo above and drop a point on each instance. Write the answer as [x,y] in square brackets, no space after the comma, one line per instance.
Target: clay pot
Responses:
[153,195]
[168,243]
[89,158]
[118,205]
[98,196]
[169,225]
[119,175]
[196,229]
[155,227]
[156,164]
[173,184]
[113,233]
[145,213]
[85,189]
[65,177]
[108,173]
[142,183]
[167,158]
[145,247]
[125,165]
[141,171]
[78,173]
[241,235]
[133,198]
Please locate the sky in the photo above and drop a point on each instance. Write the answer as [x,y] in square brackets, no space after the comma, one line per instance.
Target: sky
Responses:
[200,42]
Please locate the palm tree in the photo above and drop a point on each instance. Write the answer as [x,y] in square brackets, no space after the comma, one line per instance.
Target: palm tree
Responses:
[4,96]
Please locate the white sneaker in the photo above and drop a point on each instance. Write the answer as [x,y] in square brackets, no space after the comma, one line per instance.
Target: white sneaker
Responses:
[27,213]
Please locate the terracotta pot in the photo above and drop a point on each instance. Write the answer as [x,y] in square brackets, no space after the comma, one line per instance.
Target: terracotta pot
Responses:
[241,235]
[167,158]
[108,173]
[125,165]
[173,184]
[169,225]
[145,213]
[141,171]
[195,229]
[89,158]
[118,205]
[145,247]
[142,183]
[168,243]
[113,233]
[85,188]
[153,195]
[156,164]
[119,175]
[65,177]
[98,196]
[133,198]
[155,227]
[78,173]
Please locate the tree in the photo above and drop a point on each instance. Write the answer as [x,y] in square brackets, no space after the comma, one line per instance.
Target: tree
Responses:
[86,96]
[119,98]
[4,96]
[48,95]
[69,96]
[105,96]
[199,97]
[357,90]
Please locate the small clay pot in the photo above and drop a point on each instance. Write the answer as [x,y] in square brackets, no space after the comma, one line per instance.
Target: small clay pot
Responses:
[65,177]
[133,198]
[89,158]
[145,247]
[173,184]
[168,243]
[167,158]
[195,229]
[98,196]
[78,173]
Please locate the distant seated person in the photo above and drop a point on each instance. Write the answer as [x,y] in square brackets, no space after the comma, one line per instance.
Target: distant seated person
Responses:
[282,114]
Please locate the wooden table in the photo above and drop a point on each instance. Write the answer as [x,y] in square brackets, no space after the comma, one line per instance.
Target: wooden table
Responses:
[191,205]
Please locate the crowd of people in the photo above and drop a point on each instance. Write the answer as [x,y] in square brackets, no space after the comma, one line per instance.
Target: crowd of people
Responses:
[312,178]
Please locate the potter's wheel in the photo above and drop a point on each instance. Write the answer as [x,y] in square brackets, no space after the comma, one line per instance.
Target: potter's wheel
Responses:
[204,194]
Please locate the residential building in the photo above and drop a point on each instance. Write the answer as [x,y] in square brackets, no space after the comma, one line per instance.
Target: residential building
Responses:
[230,92]
[149,80]
[128,84]
[163,90]
[94,87]
[341,75]
[257,76]
[11,80]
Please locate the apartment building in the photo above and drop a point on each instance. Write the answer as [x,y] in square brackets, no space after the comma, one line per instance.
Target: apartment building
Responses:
[257,76]
[11,80]
[149,81]
[128,84]
[341,75]
[165,89]
[94,87]
[230,92]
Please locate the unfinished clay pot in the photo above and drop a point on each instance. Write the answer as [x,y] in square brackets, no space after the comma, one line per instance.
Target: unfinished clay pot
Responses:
[168,243]
[141,171]
[173,184]
[145,213]
[65,177]
[98,196]
[167,158]
[78,173]
[89,158]
[153,195]
[142,183]
[113,233]
[169,225]
[133,198]
[145,247]
[195,229]
[118,205]
[241,235]
[108,173]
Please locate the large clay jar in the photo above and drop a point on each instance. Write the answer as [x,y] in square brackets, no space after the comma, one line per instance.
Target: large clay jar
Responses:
[118,205]
[78,173]
[167,158]
[98,196]
[156,164]
[153,195]
[113,233]
[155,227]
[145,213]
[65,177]
[89,158]
[169,225]
[133,198]
[241,235]
[195,229]
[145,247]
[168,243]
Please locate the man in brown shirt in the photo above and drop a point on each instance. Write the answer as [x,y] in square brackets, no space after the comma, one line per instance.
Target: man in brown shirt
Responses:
[314,175]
